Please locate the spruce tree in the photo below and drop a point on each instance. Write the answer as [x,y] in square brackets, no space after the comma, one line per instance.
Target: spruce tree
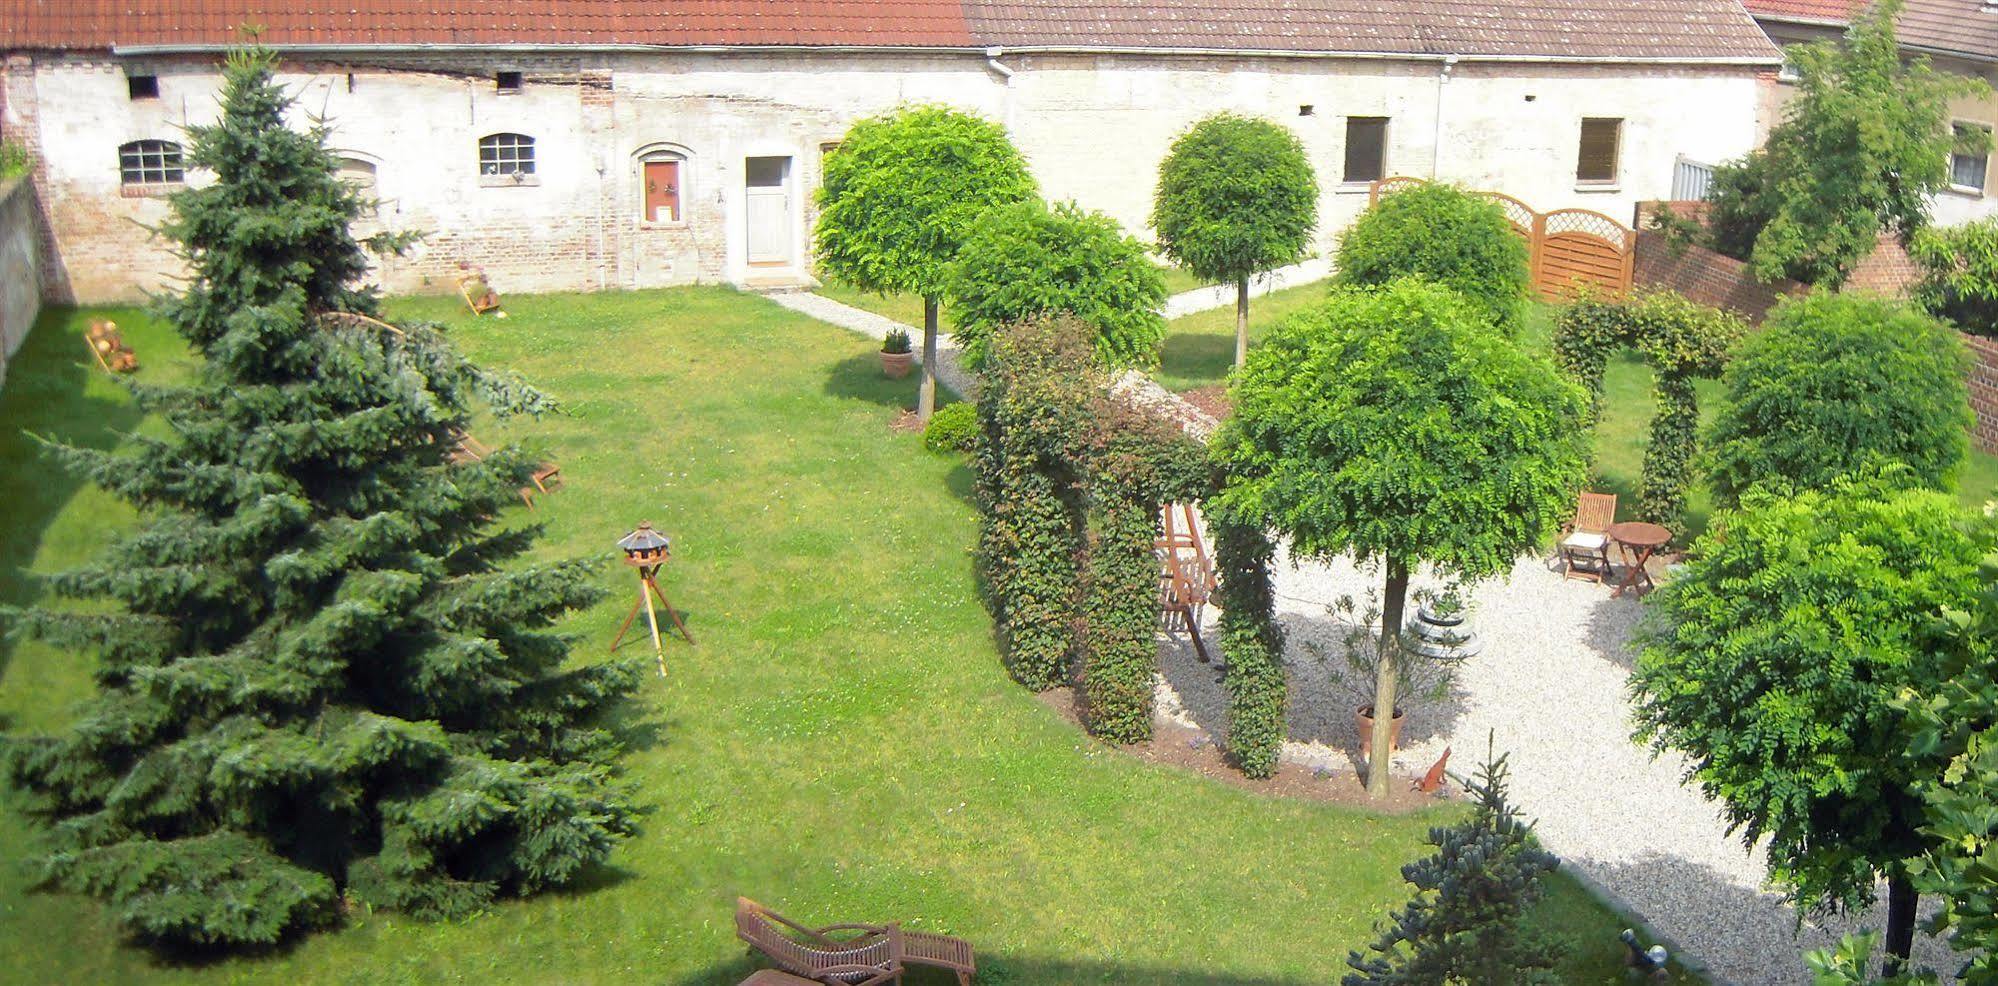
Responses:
[319,680]
[1463,927]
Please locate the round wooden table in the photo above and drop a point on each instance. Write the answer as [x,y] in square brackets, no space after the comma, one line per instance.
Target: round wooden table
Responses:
[1639,540]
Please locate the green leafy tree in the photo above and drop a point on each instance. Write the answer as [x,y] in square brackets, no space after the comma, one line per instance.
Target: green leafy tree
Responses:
[1959,274]
[1444,234]
[1859,151]
[1833,384]
[1026,260]
[1395,425]
[1237,197]
[899,198]
[1772,660]
[1465,925]
[316,681]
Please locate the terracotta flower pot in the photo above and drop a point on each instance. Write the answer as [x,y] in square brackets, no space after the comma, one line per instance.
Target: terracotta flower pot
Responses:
[1363,717]
[897,365]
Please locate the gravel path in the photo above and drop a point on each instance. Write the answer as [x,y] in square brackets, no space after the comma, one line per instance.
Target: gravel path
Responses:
[1223,295]
[949,372]
[1549,689]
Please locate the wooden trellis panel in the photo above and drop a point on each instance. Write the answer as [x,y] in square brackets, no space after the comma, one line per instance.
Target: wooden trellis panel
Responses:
[1567,249]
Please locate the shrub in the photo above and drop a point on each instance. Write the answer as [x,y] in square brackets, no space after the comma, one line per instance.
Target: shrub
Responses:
[1959,274]
[1236,197]
[1833,383]
[953,428]
[1037,396]
[1446,235]
[1682,341]
[896,342]
[1252,642]
[1027,260]
[14,160]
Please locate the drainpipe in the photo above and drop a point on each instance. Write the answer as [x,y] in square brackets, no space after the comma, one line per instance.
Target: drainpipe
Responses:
[1006,80]
[1436,141]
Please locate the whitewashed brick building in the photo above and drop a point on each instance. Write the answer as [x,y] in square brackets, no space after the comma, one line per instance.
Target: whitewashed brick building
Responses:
[589,144]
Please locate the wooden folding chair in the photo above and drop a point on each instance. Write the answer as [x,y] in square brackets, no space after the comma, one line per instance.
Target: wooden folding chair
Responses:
[1585,546]
[110,348]
[1186,575]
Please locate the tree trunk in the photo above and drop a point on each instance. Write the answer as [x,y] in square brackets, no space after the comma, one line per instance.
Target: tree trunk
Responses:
[926,394]
[1380,756]
[1901,901]
[1241,320]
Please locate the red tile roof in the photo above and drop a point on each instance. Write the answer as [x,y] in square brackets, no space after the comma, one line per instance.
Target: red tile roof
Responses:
[1655,29]
[1590,29]
[1960,26]
[1836,11]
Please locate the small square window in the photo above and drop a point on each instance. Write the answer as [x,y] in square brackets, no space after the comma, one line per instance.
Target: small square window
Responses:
[1306,109]
[506,154]
[1366,149]
[507,81]
[1597,160]
[142,86]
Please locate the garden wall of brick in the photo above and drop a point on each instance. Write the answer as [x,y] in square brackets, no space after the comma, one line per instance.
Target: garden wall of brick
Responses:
[1984,391]
[20,267]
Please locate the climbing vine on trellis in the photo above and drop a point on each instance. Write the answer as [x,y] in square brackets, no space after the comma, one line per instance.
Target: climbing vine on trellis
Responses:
[1682,341]
[1070,483]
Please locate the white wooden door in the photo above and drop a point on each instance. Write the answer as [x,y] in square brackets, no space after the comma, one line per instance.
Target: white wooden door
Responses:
[767,209]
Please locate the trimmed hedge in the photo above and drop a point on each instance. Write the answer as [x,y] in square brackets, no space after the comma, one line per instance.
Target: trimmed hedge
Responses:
[1258,694]
[1441,233]
[952,428]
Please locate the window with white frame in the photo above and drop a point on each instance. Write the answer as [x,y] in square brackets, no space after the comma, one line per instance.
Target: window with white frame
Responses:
[506,154]
[150,162]
[1971,159]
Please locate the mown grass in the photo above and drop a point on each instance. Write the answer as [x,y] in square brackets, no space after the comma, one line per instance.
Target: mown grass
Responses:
[842,744]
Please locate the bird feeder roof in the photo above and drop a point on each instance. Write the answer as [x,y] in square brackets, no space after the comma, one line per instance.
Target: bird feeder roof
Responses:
[644,539]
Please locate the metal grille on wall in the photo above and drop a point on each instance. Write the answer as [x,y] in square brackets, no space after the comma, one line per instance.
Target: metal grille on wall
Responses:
[1567,249]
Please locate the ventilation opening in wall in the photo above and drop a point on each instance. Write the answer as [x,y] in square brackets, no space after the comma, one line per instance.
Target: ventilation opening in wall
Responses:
[1306,109]
[507,81]
[143,86]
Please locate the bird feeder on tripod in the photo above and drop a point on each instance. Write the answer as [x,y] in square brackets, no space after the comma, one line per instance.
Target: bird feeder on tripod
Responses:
[647,551]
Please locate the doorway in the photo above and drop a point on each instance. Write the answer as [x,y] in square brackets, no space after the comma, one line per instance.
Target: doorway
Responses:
[767,209]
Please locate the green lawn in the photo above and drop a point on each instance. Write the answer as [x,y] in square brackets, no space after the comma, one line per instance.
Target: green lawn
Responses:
[842,744]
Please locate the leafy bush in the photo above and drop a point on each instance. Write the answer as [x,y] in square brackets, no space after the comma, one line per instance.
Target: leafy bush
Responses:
[1035,403]
[953,428]
[1959,274]
[1252,642]
[14,161]
[1833,383]
[895,343]
[1772,661]
[1027,260]
[1446,235]
[1682,341]
[1465,924]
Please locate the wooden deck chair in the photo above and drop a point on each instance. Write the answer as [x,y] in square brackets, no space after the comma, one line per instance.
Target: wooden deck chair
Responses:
[110,348]
[1585,548]
[866,958]
[478,292]
[755,923]
[545,476]
[1186,575]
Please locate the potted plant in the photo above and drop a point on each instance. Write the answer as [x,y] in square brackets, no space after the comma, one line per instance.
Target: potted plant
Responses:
[1421,676]
[896,359]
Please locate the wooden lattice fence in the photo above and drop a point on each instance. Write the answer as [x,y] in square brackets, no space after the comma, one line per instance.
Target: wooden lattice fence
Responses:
[1567,249]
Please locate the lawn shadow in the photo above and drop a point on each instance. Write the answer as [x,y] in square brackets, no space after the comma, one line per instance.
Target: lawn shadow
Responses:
[45,395]
[859,378]
[1197,356]
[998,969]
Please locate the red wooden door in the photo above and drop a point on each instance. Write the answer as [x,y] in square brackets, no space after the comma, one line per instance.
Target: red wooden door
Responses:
[662,191]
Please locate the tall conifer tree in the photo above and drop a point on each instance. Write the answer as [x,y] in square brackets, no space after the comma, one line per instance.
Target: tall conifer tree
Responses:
[319,679]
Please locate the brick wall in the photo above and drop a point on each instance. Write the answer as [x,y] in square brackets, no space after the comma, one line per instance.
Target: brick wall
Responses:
[1698,273]
[1984,391]
[1887,271]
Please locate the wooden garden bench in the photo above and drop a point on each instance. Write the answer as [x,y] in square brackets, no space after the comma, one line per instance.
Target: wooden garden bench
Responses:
[875,953]
[110,348]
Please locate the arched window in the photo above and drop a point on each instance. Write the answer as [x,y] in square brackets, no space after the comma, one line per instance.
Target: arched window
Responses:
[360,175]
[663,177]
[150,162]
[506,154]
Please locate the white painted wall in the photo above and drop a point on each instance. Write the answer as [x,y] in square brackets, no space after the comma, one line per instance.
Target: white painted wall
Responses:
[1094,128]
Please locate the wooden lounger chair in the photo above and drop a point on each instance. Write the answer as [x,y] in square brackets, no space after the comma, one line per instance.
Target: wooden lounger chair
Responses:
[545,476]
[110,348]
[478,292]
[800,948]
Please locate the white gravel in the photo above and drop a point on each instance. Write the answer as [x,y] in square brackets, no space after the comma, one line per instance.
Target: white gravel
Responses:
[1549,688]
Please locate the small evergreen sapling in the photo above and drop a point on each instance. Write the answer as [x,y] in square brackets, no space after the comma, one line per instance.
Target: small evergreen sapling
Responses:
[1464,925]
[317,683]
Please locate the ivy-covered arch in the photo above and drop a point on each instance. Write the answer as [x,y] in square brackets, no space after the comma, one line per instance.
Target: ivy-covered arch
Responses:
[1683,342]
